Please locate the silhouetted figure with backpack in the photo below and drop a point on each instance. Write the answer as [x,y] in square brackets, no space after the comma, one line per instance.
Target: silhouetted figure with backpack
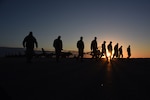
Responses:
[28,43]
[80,46]
[120,52]
[115,51]
[129,51]
[104,50]
[57,44]
[94,48]
[109,47]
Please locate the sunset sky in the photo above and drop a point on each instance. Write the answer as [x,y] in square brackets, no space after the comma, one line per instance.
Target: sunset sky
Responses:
[126,22]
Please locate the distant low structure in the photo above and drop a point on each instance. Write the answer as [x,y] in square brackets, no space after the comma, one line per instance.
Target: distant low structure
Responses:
[8,51]
[20,52]
[66,54]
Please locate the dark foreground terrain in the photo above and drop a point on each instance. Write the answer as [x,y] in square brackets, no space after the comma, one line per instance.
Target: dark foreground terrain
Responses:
[44,79]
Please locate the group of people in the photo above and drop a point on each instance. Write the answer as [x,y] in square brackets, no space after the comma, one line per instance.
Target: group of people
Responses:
[30,40]
[118,52]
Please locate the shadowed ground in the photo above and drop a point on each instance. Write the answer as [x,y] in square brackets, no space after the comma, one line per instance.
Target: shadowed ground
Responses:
[44,79]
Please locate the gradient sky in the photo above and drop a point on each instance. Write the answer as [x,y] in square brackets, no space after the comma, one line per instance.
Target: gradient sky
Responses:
[126,22]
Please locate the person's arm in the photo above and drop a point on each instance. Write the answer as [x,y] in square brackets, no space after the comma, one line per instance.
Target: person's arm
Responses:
[96,46]
[36,43]
[54,43]
[24,42]
[83,45]
[91,45]
[78,44]
[61,45]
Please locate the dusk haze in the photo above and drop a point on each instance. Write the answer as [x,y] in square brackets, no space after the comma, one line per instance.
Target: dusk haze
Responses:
[74,49]
[126,22]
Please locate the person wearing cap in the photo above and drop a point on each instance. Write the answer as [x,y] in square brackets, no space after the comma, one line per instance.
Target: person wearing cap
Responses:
[57,44]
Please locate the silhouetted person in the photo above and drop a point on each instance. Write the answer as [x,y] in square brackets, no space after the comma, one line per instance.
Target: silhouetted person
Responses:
[57,44]
[120,52]
[109,47]
[94,47]
[104,50]
[129,51]
[80,46]
[29,42]
[115,51]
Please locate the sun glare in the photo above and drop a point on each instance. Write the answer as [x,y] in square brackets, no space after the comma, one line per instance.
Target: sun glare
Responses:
[108,55]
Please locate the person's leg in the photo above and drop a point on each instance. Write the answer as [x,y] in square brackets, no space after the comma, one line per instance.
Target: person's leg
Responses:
[110,54]
[106,55]
[82,54]
[57,55]
[94,51]
[29,54]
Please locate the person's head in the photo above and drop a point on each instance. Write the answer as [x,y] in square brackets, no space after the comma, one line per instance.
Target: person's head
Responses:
[95,38]
[129,46]
[30,34]
[81,38]
[110,42]
[59,37]
[104,42]
[120,46]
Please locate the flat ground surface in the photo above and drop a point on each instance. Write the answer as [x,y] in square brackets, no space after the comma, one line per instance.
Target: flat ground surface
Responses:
[44,79]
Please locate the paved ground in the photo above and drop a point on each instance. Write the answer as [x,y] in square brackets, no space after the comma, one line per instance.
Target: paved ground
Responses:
[44,79]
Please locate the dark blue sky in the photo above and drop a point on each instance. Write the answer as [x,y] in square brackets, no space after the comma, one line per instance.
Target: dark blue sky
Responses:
[124,21]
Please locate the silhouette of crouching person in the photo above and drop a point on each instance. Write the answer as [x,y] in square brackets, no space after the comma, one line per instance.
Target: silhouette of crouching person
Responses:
[57,44]
[28,43]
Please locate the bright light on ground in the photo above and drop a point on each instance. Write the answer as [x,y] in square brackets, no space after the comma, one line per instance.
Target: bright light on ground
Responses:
[108,55]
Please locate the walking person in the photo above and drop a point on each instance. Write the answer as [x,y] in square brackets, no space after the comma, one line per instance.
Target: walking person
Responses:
[94,48]
[80,46]
[120,52]
[109,47]
[104,50]
[115,51]
[57,44]
[28,43]
[129,51]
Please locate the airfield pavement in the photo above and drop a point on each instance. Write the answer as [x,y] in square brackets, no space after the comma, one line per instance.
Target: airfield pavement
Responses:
[44,79]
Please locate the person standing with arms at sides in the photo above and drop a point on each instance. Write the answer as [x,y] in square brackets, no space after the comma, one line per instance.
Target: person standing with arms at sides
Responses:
[28,43]
[120,52]
[115,51]
[109,47]
[104,49]
[94,47]
[57,44]
[80,46]
[129,51]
